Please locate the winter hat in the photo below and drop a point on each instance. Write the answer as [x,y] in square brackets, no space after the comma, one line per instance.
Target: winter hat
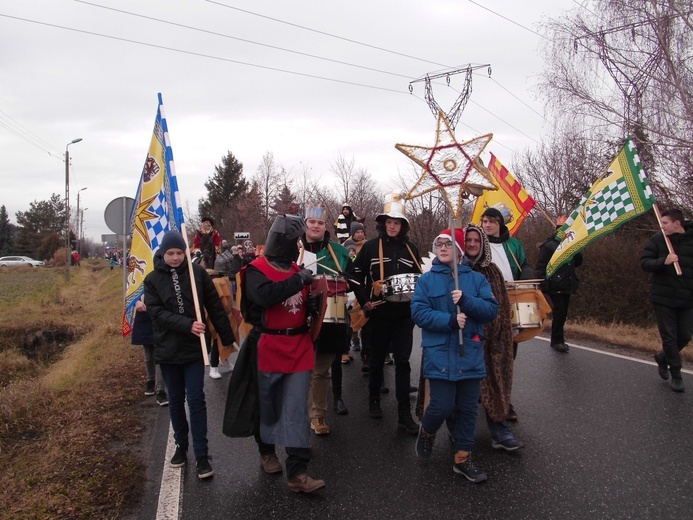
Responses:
[350,244]
[356,226]
[459,239]
[208,219]
[494,214]
[234,249]
[172,240]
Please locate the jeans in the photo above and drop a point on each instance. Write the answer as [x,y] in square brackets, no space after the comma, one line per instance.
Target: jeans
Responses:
[186,382]
[386,333]
[153,370]
[560,314]
[458,397]
[676,329]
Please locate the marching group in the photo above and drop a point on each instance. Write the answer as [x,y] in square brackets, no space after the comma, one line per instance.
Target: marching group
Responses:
[279,389]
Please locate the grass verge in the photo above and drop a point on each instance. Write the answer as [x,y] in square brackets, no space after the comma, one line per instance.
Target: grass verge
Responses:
[71,425]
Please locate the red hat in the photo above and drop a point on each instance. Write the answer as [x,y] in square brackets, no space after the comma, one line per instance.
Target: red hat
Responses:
[459,238]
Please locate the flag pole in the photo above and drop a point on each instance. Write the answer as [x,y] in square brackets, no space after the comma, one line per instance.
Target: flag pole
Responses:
[677,267]
[543,212]
[455,274]
[198,314]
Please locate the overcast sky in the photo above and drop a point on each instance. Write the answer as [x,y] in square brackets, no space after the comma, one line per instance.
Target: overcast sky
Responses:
[74,69]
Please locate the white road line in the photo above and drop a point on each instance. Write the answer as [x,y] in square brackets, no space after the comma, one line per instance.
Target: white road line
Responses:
[621,356]
[170,493]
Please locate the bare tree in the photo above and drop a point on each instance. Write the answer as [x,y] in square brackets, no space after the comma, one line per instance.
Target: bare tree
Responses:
[268,179]
[625,67]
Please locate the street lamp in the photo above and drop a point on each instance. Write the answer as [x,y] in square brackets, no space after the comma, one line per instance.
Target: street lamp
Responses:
[67,209]
[81,231]
[79,228]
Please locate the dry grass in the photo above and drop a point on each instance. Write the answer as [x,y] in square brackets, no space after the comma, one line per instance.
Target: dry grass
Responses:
[72,422]
[641,339]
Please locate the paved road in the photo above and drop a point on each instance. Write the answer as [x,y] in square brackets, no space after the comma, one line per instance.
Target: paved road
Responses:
[604,436]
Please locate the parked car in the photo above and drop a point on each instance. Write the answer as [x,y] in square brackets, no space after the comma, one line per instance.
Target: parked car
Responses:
[19,261]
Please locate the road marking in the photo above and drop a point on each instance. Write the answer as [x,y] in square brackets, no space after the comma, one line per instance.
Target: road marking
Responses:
[621,356]
[170,494]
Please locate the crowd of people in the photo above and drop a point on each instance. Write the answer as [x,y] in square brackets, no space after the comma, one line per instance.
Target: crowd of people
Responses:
[312,300]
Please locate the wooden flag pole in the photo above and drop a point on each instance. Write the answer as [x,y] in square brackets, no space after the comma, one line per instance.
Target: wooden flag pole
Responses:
[198,313]
[677,267]
[455,274]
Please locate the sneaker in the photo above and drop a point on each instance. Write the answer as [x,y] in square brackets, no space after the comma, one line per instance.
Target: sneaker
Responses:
[346,359]
[662,366]
[374,409]
[319,426]
[677,384]
[407,423]
[509,444]
[560,347]
[304,483]
[424,444]
[356,345]
[270,464]
[161,399]
[464,466]
[214,373]
[512,414]
[389,360]
[179,457]
[149,390]
[204,468]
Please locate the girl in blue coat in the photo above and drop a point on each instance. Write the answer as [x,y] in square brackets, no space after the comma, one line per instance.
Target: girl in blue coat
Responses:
[454,372]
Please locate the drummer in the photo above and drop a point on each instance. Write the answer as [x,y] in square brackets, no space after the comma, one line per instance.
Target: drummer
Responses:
[391,253]
[325,257]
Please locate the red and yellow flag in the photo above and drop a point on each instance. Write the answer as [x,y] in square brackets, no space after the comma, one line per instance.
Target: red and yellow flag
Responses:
[510,199]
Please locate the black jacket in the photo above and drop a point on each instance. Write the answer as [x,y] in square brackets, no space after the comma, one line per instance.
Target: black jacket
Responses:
[173,317]
[667,287]
[564,280]
[396,260]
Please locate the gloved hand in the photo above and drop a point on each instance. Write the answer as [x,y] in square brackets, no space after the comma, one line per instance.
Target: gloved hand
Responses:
[306,276]
[313,304]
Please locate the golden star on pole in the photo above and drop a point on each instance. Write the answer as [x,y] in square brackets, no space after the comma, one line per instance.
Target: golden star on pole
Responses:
[451,167]
[142,214]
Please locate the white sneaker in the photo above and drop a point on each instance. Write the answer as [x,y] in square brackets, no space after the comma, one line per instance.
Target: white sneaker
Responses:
[214,373]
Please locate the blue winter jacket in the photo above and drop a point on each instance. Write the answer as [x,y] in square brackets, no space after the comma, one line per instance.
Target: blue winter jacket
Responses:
[432,309]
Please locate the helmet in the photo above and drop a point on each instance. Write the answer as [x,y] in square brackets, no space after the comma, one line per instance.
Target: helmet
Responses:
[283,235]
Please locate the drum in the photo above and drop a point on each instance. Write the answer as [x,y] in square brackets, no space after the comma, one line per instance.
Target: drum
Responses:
[528,308]
[400,287]
[337,287]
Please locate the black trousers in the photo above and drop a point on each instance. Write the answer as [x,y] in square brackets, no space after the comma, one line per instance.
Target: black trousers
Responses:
[395,333]
[676,329]
[560,313]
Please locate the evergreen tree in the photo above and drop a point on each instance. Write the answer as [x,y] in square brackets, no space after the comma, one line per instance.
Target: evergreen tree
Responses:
[44,218]
[224,187]
[285,202]
[6,232]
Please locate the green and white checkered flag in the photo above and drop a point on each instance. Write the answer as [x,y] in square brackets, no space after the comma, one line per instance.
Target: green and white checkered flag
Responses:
[620,194]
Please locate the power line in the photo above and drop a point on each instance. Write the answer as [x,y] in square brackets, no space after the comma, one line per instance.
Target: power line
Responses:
[508,19]
[325,33]
[20,131]
[205,31]
[202,55]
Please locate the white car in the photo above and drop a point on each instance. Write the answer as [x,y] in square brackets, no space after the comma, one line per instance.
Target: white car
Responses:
[19,261]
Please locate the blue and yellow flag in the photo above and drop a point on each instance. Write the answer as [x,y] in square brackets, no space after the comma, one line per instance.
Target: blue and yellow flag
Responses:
[620,194]
[157,209]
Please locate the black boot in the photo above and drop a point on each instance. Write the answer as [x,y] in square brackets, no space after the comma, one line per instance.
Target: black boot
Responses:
[405,421]
[374,409]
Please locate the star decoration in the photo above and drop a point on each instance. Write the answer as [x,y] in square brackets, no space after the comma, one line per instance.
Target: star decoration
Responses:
[142,214]
[451,167]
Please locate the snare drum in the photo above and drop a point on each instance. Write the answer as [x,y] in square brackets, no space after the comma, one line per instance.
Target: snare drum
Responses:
[528,308]
[400,287]
[337,287]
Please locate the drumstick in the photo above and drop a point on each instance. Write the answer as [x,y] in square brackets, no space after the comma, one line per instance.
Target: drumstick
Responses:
[336,272]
